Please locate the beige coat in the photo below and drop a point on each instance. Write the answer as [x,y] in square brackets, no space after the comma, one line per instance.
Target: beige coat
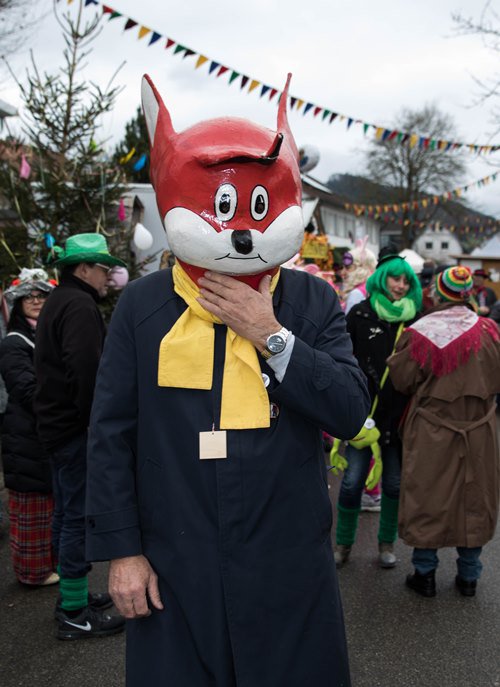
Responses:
[451,469]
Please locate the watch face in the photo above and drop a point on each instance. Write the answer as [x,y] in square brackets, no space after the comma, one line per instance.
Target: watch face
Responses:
[276,343]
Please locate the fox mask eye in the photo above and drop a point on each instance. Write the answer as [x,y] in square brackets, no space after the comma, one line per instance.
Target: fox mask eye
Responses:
[259,203]
[226,200]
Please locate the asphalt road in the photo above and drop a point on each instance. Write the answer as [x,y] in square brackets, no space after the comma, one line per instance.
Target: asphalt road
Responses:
[396,639]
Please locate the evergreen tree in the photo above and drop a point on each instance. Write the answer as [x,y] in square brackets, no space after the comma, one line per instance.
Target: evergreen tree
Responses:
[73,187]
[136,169]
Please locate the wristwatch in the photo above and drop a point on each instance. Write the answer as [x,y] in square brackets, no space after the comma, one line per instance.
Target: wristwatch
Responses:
[275,343]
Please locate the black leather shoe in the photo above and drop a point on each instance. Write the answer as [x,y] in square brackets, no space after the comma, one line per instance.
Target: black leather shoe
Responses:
[99,601]
[425,585]
[465,587]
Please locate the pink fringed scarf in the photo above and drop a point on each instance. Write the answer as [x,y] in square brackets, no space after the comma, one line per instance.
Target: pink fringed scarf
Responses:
[445,339]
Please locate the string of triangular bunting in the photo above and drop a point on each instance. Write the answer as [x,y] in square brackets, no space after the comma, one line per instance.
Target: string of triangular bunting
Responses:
[250,84]
[375,210]
[437,226]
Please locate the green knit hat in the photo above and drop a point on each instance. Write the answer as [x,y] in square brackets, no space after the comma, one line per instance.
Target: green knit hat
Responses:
[90,247]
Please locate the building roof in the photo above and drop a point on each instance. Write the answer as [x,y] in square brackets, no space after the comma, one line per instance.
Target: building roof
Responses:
[490,249]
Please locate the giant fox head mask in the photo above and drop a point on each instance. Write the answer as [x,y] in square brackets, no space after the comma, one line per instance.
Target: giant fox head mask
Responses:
[228,191]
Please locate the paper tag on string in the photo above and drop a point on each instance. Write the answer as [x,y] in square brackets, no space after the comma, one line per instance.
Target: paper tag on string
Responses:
[213,445]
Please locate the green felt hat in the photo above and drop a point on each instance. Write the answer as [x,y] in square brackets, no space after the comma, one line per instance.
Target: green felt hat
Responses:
[90,247]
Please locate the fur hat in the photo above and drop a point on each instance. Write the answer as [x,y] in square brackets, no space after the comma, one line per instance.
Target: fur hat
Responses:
[28,280]
[454,284]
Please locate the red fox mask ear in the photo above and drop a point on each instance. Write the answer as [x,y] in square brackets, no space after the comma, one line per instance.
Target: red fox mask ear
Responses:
[156,114]
[283,126]
[161,133]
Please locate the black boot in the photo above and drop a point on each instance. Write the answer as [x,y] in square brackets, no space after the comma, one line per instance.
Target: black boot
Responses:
[425,585]
[466,588]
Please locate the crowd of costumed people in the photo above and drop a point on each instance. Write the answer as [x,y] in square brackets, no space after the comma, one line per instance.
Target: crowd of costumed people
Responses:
[382,297]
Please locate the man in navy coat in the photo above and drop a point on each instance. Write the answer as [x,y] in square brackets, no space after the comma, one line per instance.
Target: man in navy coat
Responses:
[207,485]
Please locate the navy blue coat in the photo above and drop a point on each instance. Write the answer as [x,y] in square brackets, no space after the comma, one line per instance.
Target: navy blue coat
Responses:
[241,545]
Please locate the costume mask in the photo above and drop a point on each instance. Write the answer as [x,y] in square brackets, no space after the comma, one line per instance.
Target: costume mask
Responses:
[228,191]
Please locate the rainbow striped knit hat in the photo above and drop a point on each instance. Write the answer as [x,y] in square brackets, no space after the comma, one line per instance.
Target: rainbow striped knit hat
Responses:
[454,284]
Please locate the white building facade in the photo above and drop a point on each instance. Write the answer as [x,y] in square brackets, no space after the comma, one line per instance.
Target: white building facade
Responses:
[439,245]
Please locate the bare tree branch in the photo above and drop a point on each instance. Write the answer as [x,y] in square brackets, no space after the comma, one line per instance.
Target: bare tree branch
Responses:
[416,170]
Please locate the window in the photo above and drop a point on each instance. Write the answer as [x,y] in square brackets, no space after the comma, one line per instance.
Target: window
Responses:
[428,245]
[444,245]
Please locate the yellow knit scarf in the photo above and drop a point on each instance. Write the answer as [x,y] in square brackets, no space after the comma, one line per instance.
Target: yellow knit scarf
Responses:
[186,361]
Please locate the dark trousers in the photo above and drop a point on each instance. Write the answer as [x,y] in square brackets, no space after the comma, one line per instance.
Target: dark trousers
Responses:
[69,473]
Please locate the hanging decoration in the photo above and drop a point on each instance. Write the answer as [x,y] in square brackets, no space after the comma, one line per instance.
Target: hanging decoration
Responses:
[140,163]
[118,278]
[143,238]
[308,158]
[24,169]
[122,213]
[127,157]
[318,112]
[50,241]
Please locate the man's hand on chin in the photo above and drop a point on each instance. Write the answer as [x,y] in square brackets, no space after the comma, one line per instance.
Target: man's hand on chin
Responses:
[246,311]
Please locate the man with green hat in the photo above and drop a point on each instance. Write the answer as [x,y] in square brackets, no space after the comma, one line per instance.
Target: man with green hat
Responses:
[68,346]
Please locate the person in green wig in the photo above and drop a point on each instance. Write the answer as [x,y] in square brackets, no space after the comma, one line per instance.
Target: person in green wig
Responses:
[394,300]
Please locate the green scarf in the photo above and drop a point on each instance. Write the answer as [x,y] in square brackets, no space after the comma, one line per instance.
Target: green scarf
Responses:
[393,311]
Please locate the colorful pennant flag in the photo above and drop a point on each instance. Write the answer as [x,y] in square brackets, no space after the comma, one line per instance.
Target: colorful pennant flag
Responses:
[416,204]
[382,134]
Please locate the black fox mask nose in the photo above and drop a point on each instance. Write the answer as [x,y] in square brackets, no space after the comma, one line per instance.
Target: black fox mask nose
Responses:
[242,241]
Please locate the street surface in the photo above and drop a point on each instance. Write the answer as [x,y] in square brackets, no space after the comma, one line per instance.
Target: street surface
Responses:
[396,638]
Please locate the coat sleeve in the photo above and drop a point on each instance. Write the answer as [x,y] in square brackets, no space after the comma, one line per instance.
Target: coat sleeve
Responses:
[16,368]
[405,374]
[323,381]
[112,517]
[81,346]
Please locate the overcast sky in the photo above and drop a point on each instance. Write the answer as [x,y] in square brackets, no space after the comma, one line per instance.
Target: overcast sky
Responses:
[361,58]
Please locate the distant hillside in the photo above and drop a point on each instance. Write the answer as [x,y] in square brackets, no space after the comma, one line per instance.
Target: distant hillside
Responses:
[361,191]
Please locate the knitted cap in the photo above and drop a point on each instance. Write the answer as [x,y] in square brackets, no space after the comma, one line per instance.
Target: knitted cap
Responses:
[454,284]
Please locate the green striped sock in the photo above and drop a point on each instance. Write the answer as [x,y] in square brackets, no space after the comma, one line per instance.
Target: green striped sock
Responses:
[74,593]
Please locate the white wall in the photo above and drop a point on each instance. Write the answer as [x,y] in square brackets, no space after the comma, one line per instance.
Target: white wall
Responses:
[343,228]
[437,245]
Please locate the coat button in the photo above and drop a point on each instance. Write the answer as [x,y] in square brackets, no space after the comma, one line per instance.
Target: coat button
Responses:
[91,522]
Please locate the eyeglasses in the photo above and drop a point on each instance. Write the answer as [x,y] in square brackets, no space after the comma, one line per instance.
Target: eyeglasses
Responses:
[32,297]
[107,269]
[347,259]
